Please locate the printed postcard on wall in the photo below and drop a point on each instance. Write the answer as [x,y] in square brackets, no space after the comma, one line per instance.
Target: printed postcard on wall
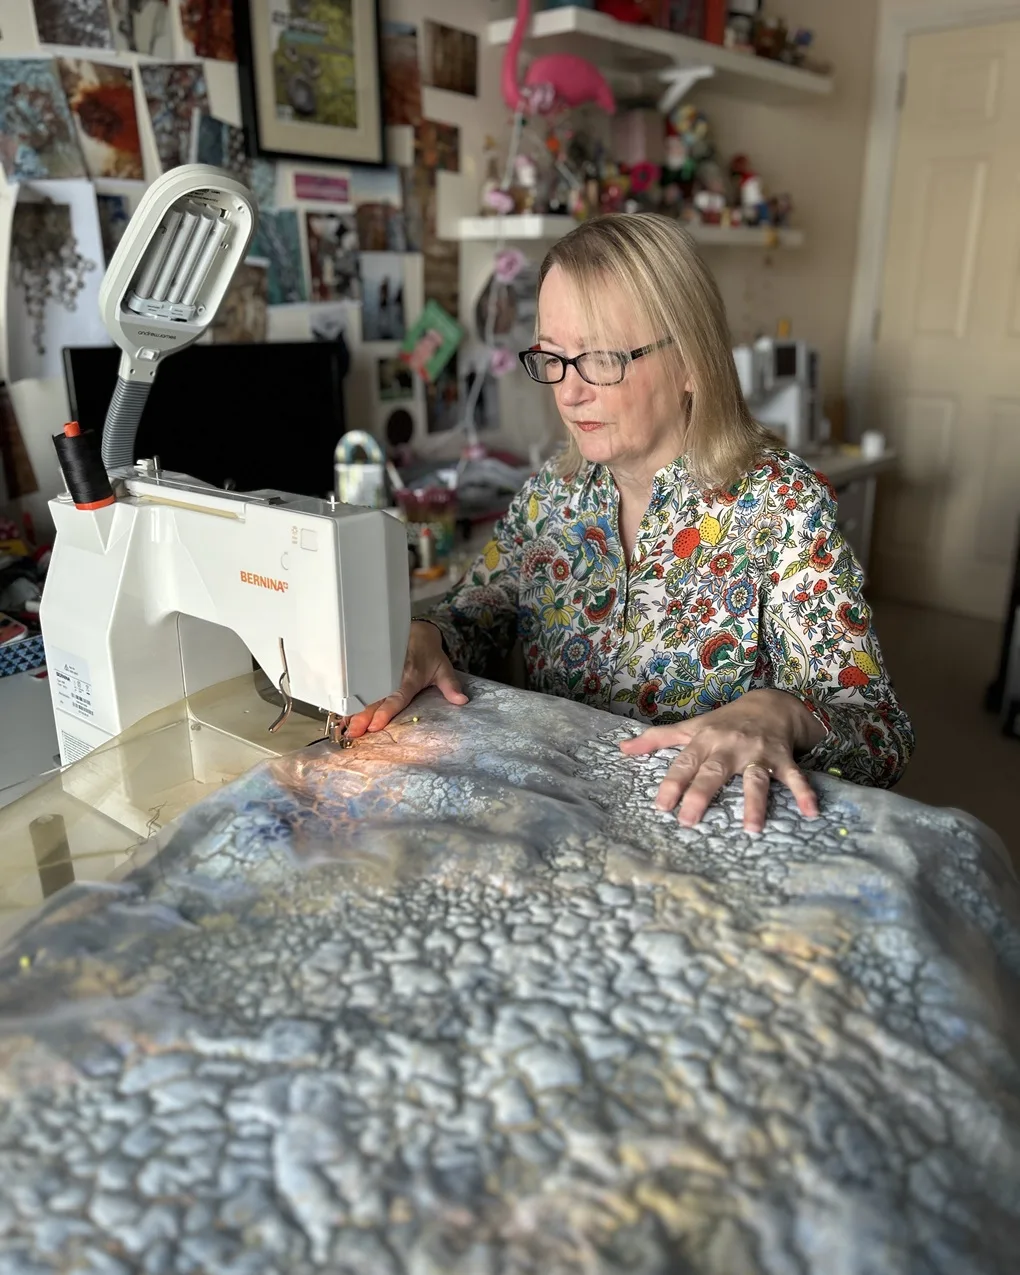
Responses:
[401,72]
[243,314]
[208,27]
[310,79]
[102,100]
[333,258]
[78,23]
[142,26]
[451,59]
[216,142]
[55,272]
[432,342]
[38,139]
[174,92]
[277,241]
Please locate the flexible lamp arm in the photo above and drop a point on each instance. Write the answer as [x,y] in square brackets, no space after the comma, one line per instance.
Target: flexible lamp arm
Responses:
[165,283]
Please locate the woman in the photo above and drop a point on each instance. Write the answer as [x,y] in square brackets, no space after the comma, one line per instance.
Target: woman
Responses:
[675,564]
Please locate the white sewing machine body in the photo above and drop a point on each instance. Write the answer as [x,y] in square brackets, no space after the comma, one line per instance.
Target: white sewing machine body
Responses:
[176,585]
[780,382]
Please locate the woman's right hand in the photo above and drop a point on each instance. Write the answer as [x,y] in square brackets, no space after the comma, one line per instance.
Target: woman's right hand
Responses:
[426,664]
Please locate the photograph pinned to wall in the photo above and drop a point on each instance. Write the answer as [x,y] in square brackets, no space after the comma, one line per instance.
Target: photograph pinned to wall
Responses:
[77,23]
[432,342]
[56,267]
[395,380]
[378,199]
[437,146]
[16,473]
[331,322]
[243,313]
[333,257]
[310,83]
[442,400]
[208,27]
[451,59]
[102,101]
[382,296]
[398,432]
[142,26]
[277,241]
[38,138]
[441,270]
[322,188]
[418,196]
[401,73]
[114,215]
[214,141]
[174,92]
[507,307]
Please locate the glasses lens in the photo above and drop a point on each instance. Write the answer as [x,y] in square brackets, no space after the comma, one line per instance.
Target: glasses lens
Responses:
[543,367]
[602,367]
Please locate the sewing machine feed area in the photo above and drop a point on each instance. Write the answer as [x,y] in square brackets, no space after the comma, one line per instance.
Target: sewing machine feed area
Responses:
[175,587]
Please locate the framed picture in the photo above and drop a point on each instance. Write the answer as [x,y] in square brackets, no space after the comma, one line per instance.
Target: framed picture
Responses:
[310,80]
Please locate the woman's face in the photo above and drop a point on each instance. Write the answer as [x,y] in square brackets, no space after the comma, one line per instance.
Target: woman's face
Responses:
[635,425]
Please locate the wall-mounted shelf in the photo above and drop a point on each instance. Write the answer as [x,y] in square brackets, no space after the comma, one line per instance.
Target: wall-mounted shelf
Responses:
[533,226]
[638,50]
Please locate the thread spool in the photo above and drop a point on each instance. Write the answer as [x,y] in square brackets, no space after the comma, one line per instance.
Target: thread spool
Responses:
[82,466]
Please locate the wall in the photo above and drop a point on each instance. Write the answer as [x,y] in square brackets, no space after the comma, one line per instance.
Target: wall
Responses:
[816,152]
[41,405]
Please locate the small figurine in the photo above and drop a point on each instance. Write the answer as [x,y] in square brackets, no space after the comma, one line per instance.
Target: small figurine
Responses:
[526,185]
[753,204]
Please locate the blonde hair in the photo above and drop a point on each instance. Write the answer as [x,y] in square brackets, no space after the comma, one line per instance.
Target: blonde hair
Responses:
[654,264]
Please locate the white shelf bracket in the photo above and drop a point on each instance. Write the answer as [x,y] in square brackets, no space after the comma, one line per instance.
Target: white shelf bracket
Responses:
[679,81]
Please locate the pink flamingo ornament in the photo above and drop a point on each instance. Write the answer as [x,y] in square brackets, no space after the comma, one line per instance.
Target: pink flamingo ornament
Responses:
[553,82]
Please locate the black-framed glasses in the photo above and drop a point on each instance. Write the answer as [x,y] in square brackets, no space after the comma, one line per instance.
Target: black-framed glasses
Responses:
[597,367]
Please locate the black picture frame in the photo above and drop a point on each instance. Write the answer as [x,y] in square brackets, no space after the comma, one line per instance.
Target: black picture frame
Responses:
[274,136]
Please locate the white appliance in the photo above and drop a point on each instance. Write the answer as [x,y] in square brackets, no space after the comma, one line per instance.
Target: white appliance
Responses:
[781,383]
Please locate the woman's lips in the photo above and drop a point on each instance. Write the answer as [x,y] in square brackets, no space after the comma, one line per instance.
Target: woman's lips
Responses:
[589,426]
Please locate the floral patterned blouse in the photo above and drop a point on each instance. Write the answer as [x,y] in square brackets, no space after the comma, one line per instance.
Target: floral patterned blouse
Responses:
[728,590]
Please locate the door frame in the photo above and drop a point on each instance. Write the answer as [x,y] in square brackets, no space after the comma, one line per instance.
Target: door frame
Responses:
[898,21]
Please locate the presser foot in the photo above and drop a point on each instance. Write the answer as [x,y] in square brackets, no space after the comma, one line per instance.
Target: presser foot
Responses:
[336,731]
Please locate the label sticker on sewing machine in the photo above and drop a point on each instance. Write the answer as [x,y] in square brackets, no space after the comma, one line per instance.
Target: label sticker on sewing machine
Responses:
[73,684]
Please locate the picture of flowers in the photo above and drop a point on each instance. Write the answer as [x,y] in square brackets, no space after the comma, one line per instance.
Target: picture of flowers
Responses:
[102,100]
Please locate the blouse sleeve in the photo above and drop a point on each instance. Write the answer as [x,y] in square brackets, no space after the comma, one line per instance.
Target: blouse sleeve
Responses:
[478,617]
[818,643]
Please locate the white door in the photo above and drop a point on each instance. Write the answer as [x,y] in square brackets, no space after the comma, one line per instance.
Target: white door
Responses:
[946,381]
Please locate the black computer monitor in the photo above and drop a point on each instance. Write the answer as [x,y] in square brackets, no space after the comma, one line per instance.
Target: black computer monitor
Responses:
[239,416]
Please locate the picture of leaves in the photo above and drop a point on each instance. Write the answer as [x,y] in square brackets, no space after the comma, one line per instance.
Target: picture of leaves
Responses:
[84,23]
[398,55]
[142,26]
[451,59]
[209,28]
[114,216]
[437,146]
[333,256]
[37,133]
[174,91]
[278,242]
[102,100]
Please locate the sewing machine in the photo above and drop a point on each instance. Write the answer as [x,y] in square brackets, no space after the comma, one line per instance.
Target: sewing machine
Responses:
[176,585]
[781,384]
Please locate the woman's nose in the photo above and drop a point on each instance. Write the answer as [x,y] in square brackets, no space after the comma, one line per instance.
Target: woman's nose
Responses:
[574,389]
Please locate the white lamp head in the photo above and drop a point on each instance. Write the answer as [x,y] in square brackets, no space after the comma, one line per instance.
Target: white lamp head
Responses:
[166,281]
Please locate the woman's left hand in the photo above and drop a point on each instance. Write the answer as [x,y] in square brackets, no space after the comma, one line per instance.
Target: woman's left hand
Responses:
[756,736]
